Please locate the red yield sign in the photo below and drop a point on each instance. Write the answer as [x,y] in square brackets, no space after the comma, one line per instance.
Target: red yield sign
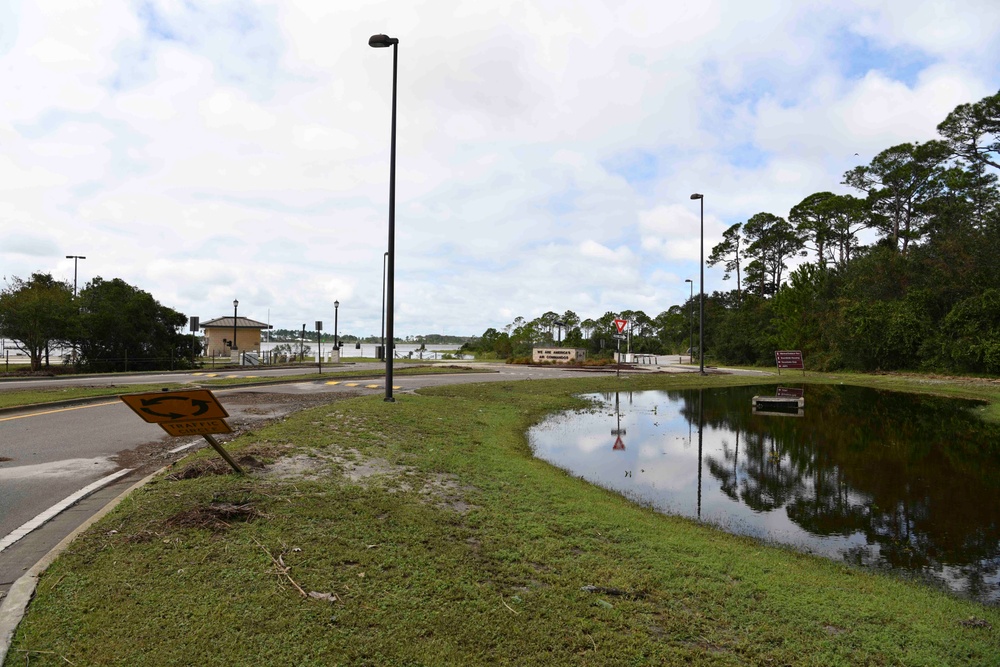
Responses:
[621,324]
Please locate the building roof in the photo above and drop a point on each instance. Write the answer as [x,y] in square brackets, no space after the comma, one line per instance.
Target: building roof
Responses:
[241,323]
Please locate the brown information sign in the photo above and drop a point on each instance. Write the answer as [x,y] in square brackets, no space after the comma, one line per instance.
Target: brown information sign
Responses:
[789,359]
[196,427]
[177,406]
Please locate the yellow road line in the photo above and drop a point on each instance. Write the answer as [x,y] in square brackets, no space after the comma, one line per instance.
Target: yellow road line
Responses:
[52,412]
[334,382]
[373,386]
[352,384]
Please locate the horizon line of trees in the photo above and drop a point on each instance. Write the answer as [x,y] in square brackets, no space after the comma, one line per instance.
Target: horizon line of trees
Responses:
[289,335]
[924,296]
[110,325]
[670,332]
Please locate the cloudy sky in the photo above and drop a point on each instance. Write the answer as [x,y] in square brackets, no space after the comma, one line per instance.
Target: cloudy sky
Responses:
[205,151]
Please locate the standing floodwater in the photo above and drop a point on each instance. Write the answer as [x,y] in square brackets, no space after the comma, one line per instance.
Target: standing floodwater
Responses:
[875,478]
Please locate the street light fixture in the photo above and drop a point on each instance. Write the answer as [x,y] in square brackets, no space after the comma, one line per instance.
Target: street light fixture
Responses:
[336,313]
[691,320]
[701,288]
[381,42]
[74,258]
[236,305]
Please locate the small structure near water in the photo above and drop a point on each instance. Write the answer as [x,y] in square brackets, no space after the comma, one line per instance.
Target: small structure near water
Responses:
[779,406]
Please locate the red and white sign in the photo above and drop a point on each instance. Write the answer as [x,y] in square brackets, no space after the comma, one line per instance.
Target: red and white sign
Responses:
[621,324]
[619,444]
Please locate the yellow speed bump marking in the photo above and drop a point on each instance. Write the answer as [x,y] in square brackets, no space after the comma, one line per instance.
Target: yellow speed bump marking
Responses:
[396,386]
[373,386]
[352,384]
[210,375]
[334,382]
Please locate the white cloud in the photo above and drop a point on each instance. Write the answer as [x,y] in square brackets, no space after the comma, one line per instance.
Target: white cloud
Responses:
[546,150]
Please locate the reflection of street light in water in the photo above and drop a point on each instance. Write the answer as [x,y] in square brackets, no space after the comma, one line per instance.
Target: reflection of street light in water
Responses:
[701,423]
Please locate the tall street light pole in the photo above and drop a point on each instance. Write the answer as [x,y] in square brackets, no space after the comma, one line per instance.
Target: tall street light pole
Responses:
[701,288]
[691,320]
[236,305]
[75,258]
[379,42]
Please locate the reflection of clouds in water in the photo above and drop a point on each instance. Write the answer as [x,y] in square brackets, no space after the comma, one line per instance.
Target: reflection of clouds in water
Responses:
[801,482]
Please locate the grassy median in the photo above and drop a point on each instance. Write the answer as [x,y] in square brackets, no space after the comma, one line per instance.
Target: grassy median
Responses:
[424,533]
[14,398]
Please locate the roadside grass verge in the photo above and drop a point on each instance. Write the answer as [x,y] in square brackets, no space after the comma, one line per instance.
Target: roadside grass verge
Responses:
[14,398]
[423,532]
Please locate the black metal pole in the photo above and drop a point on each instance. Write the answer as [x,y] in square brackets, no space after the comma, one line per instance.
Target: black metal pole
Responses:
[390,279]
[236,306]
[701,297]
[75,259]
[380,42]
[336,341]
[701,288]
[385,258]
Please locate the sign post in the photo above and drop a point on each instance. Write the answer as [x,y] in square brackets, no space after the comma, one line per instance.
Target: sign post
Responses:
[620,324]
[180,413]
[789,359]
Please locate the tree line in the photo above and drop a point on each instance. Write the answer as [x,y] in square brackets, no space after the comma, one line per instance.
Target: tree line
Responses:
[110,325]
[924,295]
[669,332]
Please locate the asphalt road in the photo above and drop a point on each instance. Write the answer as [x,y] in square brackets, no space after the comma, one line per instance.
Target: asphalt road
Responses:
[49,454]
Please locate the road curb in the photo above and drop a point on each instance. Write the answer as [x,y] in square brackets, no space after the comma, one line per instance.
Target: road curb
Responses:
[14,605]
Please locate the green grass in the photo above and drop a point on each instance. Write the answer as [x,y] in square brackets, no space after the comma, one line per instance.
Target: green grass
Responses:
[487,570]
[24,397]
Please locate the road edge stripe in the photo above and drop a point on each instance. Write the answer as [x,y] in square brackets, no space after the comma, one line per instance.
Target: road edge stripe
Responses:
[13,606]
[41,519]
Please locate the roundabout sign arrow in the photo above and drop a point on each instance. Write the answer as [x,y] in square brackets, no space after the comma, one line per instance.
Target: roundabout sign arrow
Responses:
[163,407]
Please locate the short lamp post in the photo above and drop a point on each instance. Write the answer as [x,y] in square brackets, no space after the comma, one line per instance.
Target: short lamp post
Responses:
[336,314]
[701,288]
[385,259]
[236,305]
[319,345]
[691,320]
[379,42]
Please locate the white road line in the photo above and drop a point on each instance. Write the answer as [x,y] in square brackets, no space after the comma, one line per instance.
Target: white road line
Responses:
[53,511]
[187,446]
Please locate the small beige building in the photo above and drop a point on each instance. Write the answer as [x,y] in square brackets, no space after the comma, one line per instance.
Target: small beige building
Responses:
[557,355]
[219,335]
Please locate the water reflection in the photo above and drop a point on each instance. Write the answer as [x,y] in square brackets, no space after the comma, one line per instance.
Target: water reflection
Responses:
[875,478]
